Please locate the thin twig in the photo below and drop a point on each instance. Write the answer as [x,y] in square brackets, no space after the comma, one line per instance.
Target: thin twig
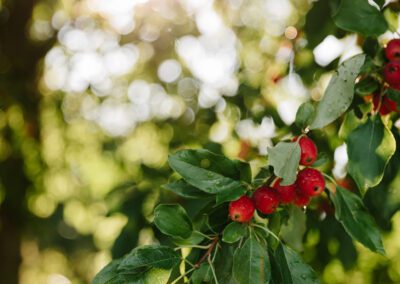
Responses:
[208,252]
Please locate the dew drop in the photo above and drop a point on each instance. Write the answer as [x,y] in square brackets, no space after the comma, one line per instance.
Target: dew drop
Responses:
[304,276]
[304,209]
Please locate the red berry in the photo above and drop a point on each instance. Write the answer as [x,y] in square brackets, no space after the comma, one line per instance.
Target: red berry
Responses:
[286,193]
[241,210]
[301,200]
[309,151]
[391,72]
[392,50]
[387,105]
[266,199]
[310,182]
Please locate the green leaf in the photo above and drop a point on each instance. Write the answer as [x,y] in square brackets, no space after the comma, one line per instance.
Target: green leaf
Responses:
[172,220]
[211,173]
[291,269]
[244,170]
[369,147]
[361,17]
[339,93]
[350,122]
[366,86]
[202,275]
[263,175]
[185,190]
[151,256]
[157,276]
[351,212]
[251,263]
[110,275]
[292,232]
[285,158]
[233,232]
[305,115]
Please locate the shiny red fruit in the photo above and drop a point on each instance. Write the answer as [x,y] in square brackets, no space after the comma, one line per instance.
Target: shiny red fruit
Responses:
[310,182]
[241,210]
[387,105]
[391,73]
[309,151]
[392,50]
[286,193]
[301,200]
[266,199]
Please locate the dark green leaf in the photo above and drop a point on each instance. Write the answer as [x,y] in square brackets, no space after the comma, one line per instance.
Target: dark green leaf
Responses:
[172,220]
[263,175]
[351,212]
[209,172]
[291,269]
[305,115]
[185,190]
[369,147]
[110,275]
[244,170]
[292,232]
[366,86]
[233,232]
[151,256]
[202,275]
[361,17]
[285,158]
[339,93]
[251,263]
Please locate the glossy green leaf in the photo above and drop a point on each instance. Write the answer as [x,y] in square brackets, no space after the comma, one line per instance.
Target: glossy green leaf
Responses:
[305,115]
[351,212]
[369,147]
[185,190]
[285,158]
[172,220]
[233,232]
[292,231]
[394,95]
[251,263]
[210,173]
[339,93]
[151,256]
[366,86]
[359,16]
[291,269]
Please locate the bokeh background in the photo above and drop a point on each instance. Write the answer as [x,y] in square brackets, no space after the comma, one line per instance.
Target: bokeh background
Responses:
[94,94]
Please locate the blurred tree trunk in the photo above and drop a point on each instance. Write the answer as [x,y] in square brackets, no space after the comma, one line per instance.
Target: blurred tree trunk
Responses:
[19,58]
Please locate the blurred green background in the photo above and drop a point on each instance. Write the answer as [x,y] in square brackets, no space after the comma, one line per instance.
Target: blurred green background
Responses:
[94,94]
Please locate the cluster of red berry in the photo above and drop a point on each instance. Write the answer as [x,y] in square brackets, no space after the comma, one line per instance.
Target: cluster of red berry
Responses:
[309,183]
[391,74]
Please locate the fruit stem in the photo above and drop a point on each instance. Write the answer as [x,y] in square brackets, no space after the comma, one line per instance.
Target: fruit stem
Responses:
[332,180]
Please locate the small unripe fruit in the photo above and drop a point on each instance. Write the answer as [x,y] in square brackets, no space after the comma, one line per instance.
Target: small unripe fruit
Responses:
[241,210]
[391,72]
[309,151]
[392,50]
[286,193]
[266,199]
[301,200]
[310,182]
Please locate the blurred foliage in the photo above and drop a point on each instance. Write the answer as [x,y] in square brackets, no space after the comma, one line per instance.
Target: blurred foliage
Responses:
[96,93]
